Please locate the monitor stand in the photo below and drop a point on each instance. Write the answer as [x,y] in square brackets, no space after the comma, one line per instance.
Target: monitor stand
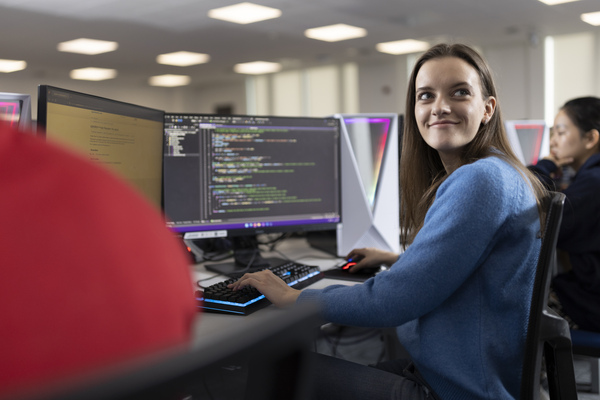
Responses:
[247,258]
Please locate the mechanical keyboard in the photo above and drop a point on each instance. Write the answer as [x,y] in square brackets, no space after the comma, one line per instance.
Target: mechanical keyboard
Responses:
[219,298]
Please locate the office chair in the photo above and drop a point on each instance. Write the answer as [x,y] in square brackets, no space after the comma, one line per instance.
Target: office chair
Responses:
[274,354]
[548,333]
[586,343]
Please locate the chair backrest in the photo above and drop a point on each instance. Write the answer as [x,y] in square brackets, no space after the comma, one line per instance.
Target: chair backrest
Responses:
[547,333]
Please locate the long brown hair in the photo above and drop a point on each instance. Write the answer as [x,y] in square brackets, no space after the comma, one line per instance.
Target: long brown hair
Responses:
[421,168]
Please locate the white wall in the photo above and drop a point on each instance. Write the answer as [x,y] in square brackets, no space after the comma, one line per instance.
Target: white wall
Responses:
[575,67]
[287,94]
[382,85]
[519,76]
[315,92]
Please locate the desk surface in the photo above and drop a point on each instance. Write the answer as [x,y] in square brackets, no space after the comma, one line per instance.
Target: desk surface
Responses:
[297,249]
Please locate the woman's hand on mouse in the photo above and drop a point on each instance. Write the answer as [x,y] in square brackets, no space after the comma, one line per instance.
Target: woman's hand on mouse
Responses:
[371,257]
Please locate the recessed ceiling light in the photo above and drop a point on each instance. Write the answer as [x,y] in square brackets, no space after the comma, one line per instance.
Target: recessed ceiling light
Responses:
[182,58]
[335,33]
[592,18]
[554,2]
[12,65]
[257,68]
[93,74]
[170,80]
[87,46]
[402,46]
[244,13]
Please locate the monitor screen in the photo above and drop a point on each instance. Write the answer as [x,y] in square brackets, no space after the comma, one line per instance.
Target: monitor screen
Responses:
[242,175]
[124,137]
[529,139]
[15,109]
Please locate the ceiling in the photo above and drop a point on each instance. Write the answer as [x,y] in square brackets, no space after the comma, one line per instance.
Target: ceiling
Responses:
[31,29]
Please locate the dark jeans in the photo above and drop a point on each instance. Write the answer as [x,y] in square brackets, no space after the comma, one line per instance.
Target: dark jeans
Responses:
[334,378]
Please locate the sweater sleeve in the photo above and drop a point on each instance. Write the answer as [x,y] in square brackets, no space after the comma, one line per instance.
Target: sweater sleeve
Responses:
[459,229]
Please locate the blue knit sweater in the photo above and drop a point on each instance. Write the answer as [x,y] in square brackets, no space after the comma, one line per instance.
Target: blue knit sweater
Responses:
[460,294]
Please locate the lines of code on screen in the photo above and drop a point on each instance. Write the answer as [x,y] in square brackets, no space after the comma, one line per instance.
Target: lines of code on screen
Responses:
[248,169]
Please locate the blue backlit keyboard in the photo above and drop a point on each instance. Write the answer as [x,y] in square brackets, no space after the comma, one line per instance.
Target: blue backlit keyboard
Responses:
[219,298]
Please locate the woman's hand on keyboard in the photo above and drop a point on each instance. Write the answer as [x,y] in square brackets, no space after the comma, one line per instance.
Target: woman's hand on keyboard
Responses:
[269,284]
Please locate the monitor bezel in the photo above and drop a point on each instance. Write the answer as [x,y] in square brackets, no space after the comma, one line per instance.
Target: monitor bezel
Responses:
[43,100]
[42,117]
[233,230]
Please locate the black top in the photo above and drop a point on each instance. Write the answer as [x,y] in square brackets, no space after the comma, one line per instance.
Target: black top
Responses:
[579,289]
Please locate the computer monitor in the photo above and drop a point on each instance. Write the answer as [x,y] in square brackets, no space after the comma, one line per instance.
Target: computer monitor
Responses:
[236,176]
[370,182]
[124,137]
[15,109]
[529,139]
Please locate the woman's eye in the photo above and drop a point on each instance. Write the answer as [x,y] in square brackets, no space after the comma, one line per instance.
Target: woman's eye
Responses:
[462,92]
[424,96]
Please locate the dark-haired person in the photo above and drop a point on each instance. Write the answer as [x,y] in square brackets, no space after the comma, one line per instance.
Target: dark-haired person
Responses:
[90,275]
[575,142]
[459,295]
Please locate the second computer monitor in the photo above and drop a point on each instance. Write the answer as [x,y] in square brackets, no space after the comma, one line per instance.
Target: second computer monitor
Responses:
[126,138]
[370,186]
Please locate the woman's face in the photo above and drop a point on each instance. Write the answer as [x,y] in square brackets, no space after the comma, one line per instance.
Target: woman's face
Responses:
[566,140]
[449,107]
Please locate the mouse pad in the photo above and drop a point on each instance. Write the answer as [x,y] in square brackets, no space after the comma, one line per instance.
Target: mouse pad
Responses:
[337,273]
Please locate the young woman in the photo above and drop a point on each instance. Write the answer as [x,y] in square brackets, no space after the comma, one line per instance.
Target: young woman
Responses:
[575,142]
[459,295]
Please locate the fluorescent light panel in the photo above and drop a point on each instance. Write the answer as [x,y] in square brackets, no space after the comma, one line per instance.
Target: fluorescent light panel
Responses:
[592,18]
[402,46]
[257,68]
[87,46]
[169,80]
[244,13]
[93,74]
[7,66]
[182,58]
[555,2]
[335,33]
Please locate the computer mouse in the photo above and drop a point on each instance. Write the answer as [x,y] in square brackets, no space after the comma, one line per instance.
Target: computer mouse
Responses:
[364,271]
[350,263]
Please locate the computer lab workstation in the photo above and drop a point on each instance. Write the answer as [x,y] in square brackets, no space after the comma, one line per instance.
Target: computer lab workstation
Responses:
[221,180]
[246,192]
[227,184]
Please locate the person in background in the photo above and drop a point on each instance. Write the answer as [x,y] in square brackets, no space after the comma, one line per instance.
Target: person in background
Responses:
[460,293]
[90,275]
[575,143]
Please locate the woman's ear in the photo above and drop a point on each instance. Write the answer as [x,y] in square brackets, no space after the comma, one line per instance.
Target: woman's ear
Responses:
[490,107]
[592,138]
